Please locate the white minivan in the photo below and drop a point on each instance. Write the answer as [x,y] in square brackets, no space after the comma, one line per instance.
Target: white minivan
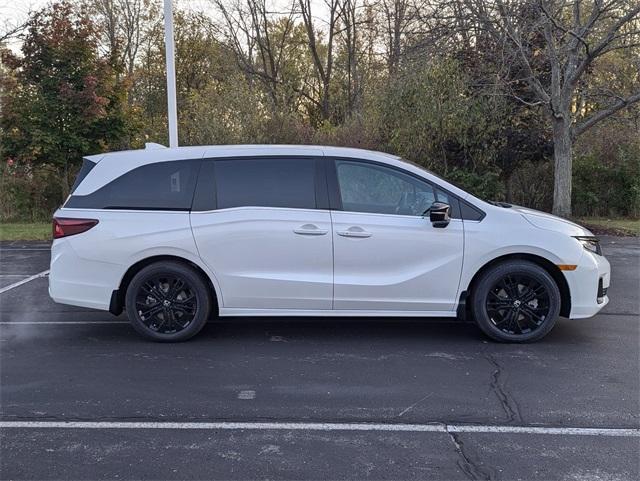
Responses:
[176,236]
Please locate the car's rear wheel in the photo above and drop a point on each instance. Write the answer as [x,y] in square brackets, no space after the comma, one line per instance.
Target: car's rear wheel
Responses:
[516,301]
[168,302]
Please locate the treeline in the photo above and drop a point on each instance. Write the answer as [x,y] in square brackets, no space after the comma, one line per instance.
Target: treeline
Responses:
[533,102]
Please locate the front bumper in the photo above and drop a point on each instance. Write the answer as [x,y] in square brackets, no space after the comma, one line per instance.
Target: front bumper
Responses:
[588,285]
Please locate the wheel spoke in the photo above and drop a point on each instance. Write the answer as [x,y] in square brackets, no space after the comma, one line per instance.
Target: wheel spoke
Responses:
[516,319]
[533,293]
[499,304]
[180,321]
[495,294]
[184,302]
[170,317]
[176,286]
[162,323]
[187,310]
[150,313]
[152,290]
[502,319]
[530,313]
[511,287]
[513,320]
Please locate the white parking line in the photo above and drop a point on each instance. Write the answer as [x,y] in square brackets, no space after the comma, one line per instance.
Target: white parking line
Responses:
[300,426]
[222,321]
[61,322]
[248,394]
[24,281]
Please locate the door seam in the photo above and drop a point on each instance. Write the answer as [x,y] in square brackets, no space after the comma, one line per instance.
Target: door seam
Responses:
[333,265]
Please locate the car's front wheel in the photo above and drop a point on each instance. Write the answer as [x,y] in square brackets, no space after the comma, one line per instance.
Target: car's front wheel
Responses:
[516,301]
[168,302]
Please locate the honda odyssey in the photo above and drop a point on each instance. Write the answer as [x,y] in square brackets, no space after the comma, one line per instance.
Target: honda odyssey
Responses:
[176,236]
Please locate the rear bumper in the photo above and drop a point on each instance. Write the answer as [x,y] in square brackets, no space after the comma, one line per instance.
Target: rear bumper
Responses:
[588,285]
[81,282]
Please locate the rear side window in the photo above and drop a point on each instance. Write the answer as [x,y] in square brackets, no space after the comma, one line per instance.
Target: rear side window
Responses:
[265,182]
[87,165]
[159,186]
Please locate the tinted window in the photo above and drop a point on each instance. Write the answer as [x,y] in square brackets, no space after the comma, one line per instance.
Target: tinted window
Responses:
[469,212]
[160,186]
[372,188]
[87,165]
[265,182]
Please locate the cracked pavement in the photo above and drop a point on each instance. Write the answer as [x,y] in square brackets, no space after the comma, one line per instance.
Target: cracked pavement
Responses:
[584,374]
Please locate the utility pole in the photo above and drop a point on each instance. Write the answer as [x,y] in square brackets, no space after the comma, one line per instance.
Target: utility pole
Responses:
[172,111]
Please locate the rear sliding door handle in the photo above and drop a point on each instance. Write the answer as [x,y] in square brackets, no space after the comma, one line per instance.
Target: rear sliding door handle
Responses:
[354,232]
[310,229]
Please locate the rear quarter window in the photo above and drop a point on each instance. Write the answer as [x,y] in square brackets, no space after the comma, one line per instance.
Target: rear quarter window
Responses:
[159,186]
[87,165]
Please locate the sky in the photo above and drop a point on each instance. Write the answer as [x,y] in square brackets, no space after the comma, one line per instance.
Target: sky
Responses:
[14,12]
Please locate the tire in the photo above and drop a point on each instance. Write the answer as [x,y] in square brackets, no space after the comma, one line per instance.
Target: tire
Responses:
[168,302]
[515,301]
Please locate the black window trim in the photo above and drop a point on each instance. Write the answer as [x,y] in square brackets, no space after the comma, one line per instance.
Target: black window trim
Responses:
[335,199]
[205,186]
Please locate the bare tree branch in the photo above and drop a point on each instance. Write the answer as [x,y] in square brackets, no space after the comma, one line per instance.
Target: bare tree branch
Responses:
[603,114]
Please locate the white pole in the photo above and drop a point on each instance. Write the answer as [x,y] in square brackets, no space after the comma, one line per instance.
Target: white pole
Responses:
[171,74]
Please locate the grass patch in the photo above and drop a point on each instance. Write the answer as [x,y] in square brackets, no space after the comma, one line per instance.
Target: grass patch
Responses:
[25,231]
[602,225]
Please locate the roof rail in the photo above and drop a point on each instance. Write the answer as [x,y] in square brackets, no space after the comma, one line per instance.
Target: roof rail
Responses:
[153,146]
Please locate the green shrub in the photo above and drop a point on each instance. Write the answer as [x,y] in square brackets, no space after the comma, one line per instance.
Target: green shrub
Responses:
[487,185]
[606,190]
[29,193]
[531,185]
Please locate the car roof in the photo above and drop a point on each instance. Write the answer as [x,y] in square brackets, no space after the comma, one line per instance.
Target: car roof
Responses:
[158,153]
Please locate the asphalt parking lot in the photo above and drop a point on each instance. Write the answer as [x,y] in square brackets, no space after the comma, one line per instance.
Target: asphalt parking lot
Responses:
[314,399]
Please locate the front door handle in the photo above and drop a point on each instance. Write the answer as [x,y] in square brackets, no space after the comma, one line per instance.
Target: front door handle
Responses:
[354,232]
[310,229]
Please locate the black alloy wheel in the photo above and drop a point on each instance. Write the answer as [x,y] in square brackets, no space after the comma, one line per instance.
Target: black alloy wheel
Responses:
[515,301]
[168,301]
[518,304]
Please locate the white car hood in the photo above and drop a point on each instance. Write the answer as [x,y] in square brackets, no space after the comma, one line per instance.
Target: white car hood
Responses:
[543,220]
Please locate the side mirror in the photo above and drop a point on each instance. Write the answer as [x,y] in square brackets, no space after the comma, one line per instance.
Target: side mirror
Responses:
[439,214]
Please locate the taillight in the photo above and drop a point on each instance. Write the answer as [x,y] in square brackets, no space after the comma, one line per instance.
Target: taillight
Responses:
[63,227]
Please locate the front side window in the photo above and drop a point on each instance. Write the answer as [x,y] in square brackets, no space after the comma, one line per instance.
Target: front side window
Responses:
[158,186]
[372,188]
[265,182]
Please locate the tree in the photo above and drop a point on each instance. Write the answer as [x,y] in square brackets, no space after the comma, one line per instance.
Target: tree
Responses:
[64,102]
[120,24]
[555,44]
[323,63]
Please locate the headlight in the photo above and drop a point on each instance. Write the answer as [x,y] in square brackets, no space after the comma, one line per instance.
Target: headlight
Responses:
[590,243]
